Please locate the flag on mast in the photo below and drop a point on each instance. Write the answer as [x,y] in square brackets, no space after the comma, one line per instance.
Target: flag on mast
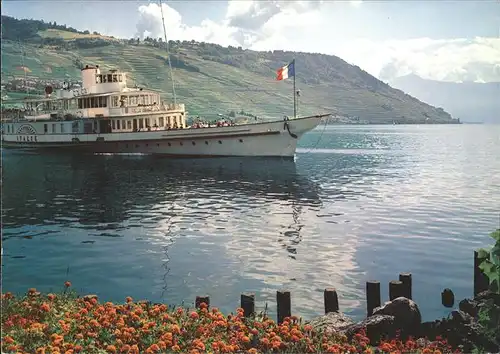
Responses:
[286,71]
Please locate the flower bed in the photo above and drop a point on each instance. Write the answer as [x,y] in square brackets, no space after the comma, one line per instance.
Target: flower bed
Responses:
[65,323]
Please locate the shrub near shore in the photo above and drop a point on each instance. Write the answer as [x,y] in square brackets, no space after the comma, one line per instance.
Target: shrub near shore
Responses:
[64,323]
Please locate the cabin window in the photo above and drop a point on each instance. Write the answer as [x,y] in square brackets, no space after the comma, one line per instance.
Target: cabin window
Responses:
[146,122]
[53,128]
[129,124]
[45,128]
[110,77]
[141,123]
[93,103]
[140,100]
[113,126]
[98,79]
[115,78]
[104,78]
[117,124]
[80,103]
[133,100]
[62,127]
[160,122]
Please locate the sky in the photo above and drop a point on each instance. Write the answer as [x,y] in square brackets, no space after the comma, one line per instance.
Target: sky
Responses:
[437,39]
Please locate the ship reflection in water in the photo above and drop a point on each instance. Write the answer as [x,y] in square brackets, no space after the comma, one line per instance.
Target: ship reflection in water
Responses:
[161,229]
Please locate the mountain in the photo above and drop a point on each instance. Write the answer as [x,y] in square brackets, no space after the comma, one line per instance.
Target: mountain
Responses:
[209,78]
[468,101]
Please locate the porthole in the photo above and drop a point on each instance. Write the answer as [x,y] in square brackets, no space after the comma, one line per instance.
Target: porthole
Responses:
[194,143]
[136,145]
[158,145]
[169,144]
[147,145]
[181,143]
[241,140]
[220,142]
[206,142]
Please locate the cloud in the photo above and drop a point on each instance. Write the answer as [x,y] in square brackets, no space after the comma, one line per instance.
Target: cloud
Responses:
[356,3]
[150,24]
[452,60]
[306,26]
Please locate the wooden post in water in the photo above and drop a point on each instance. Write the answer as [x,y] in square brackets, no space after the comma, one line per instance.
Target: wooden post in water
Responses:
[331,300]
[481,282]
[202,299]
[372,296]
[284,305]
[395,289]
[248,304]
[405,278]
[447,298]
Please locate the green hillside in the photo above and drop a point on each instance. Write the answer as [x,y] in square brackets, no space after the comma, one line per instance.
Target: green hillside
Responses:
[209,78]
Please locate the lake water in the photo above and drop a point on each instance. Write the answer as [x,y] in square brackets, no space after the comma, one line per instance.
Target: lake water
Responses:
[359,203]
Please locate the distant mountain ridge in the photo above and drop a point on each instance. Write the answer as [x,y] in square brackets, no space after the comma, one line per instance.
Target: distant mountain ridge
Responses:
[211,78]
[468,101]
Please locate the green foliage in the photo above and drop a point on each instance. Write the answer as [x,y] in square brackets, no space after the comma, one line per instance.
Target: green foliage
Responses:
[490,261]
[489,319]
[27,30]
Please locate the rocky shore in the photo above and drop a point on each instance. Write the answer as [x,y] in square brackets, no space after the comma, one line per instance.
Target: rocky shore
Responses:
[474,326]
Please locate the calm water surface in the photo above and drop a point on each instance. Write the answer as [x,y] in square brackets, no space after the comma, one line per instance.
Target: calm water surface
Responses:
[363,203]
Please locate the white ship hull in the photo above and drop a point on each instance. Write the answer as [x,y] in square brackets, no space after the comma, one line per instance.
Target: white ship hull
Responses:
[270,139]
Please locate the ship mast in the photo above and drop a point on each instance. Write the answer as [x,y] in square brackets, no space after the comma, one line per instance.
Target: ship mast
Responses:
[168,54]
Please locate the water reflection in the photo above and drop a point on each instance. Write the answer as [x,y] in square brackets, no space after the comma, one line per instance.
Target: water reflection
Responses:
[103,191]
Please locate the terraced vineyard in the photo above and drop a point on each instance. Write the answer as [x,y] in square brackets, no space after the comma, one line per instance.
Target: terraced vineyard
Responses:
[211,79]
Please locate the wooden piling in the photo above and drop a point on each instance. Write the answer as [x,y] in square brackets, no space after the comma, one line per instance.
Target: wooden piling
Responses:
[405,278]
[331,300]
[447,298]
[481,282]
[202,299]
[284,305]
[248,304]
[395,289]
[372,296]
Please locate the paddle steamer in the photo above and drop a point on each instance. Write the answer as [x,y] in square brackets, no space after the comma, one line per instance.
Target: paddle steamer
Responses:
[107,116]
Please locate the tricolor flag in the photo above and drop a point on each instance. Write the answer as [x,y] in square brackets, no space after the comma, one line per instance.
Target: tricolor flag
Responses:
[286,71]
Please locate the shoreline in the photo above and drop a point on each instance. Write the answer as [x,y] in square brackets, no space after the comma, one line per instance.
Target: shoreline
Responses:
[67,323]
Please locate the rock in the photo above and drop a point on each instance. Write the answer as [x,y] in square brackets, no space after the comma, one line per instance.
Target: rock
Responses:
[473,306]
[406,314]
[461,330]
[375,327]
[488,295]
[331,322]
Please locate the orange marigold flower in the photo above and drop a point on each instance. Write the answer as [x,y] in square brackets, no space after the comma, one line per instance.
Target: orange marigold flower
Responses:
[125,348]
[128,299]
[253,351]
[176,348]
[77,348]
[40,350]
[111,348]
[45,307]
[8,340]
[427,351]
[67,284]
